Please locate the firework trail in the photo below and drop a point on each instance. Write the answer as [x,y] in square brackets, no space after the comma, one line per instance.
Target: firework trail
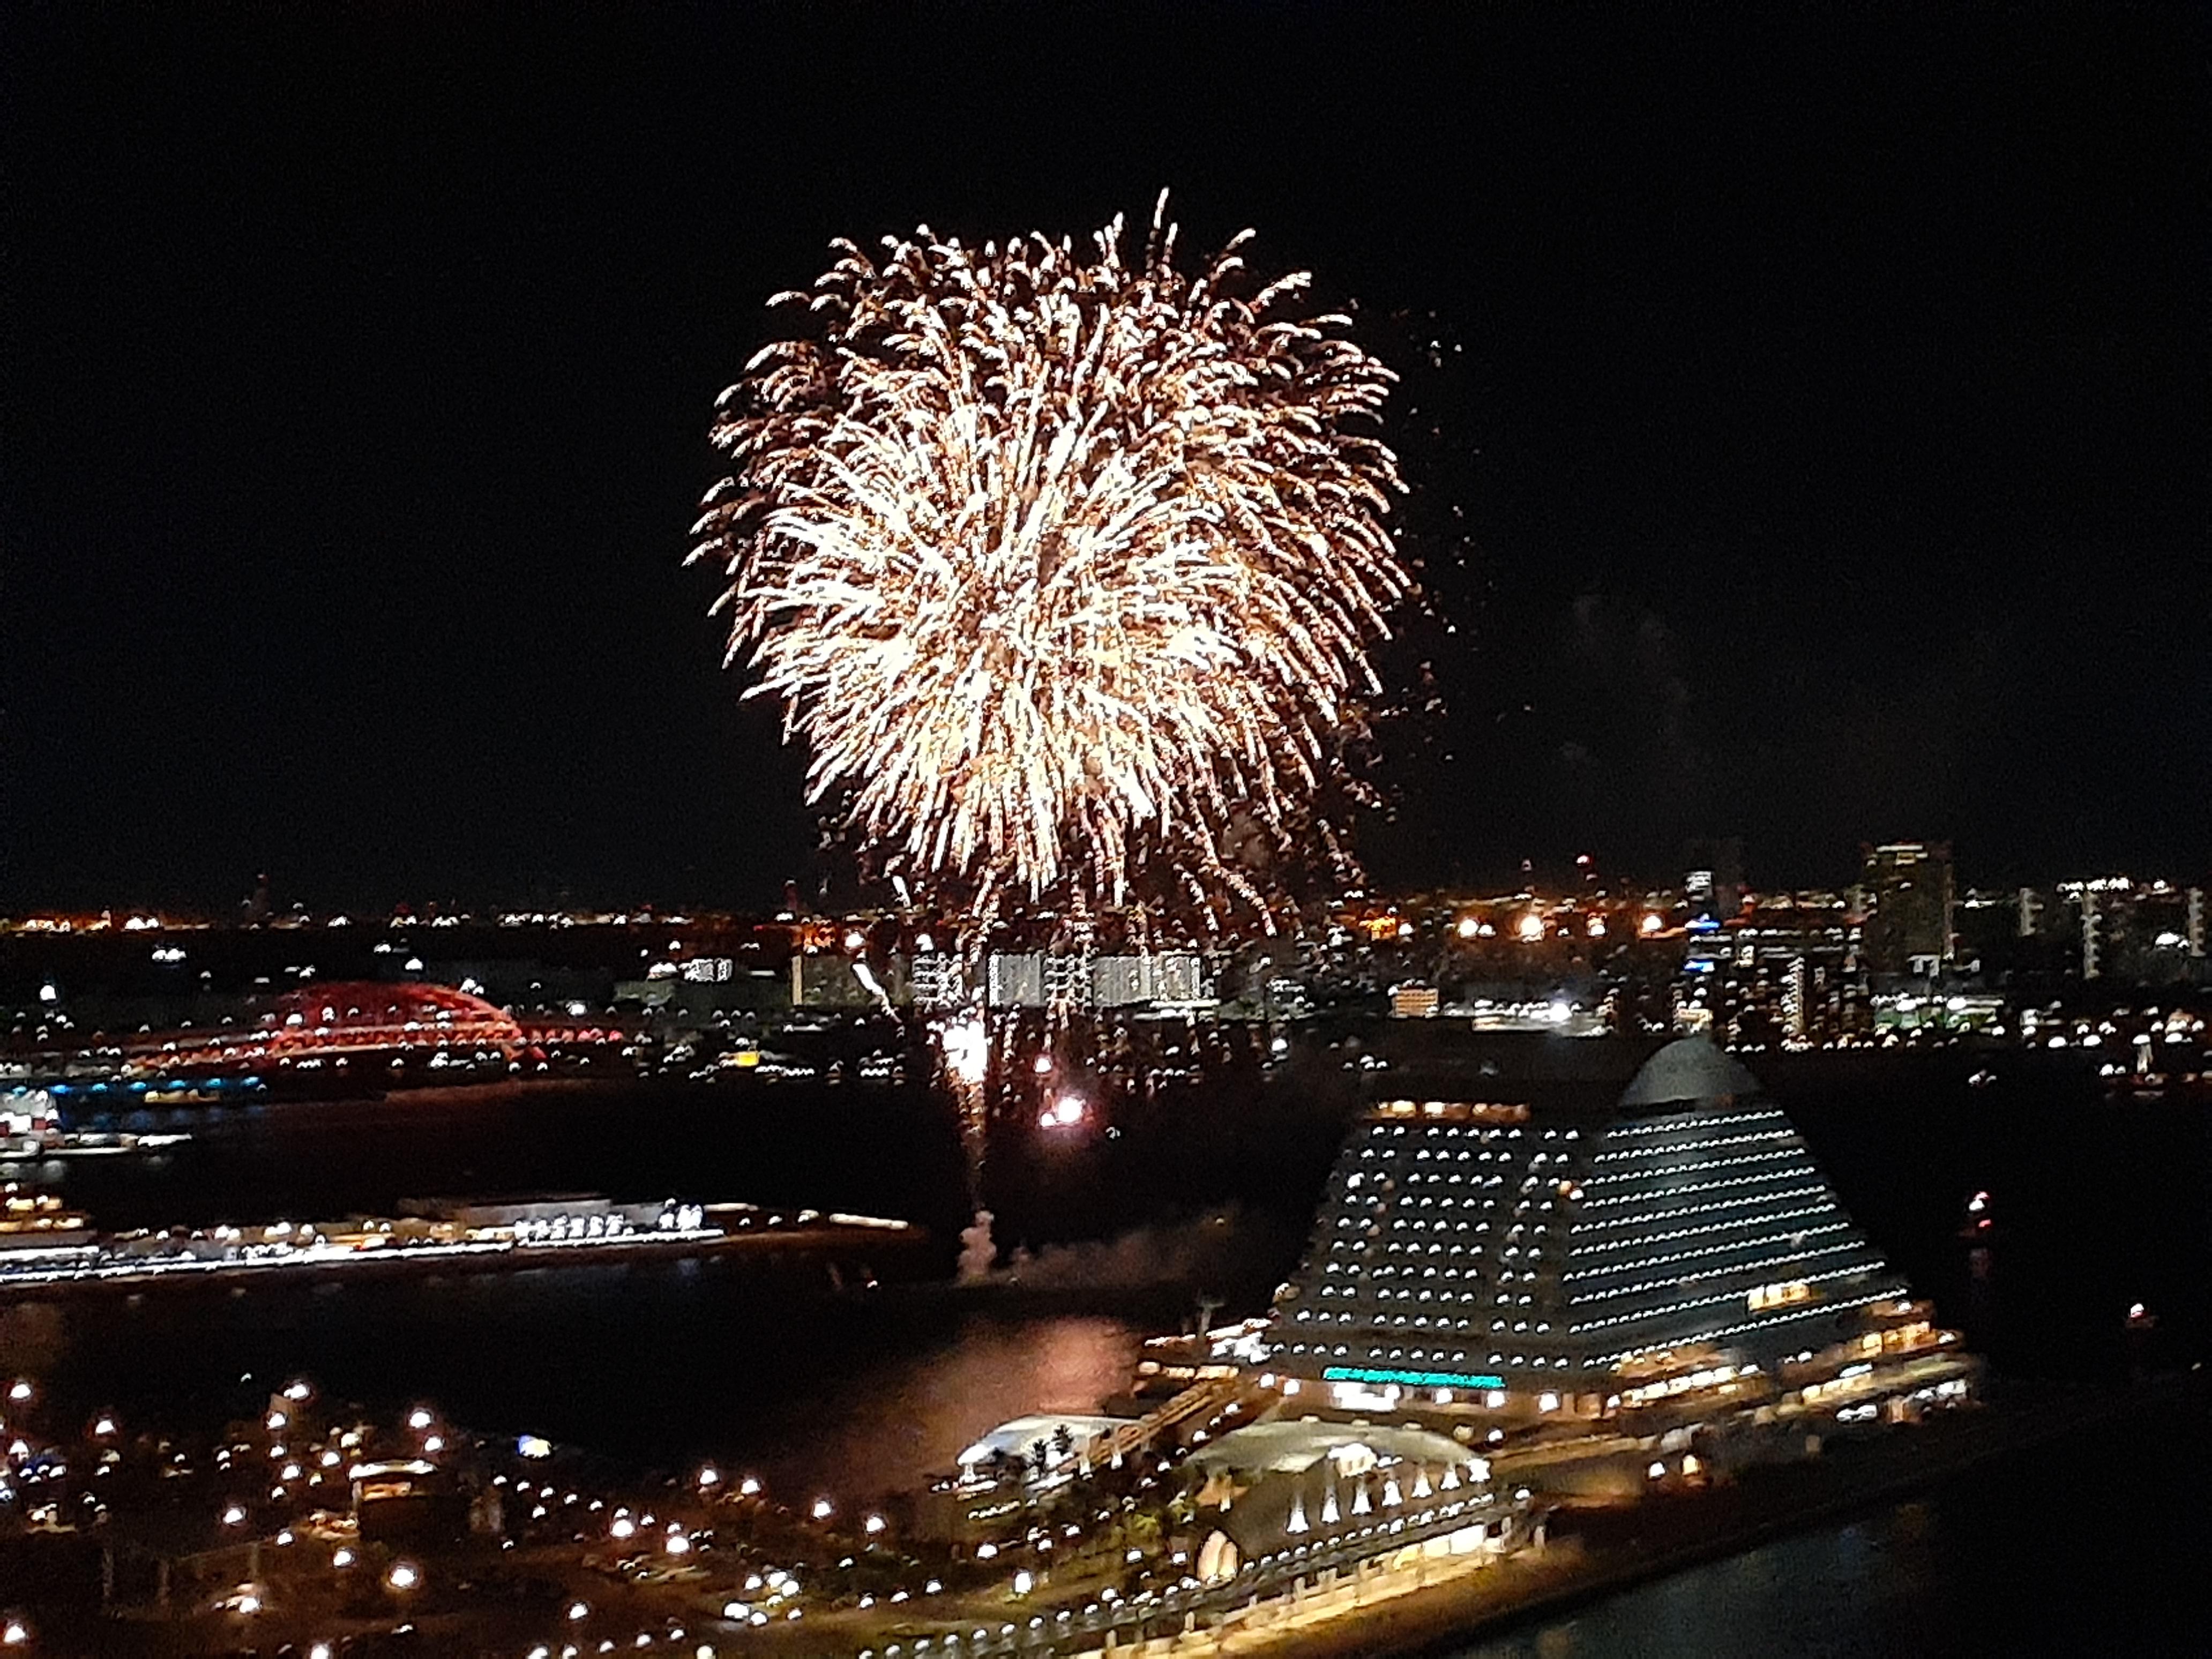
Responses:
[1066,568]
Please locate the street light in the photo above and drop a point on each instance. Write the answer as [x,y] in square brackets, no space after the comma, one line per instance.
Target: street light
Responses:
[403,1575]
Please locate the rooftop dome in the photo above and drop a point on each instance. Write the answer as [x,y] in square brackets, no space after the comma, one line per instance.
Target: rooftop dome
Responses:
[1689,1069]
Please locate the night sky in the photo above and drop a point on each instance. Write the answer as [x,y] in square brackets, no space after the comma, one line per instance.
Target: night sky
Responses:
[1806,419]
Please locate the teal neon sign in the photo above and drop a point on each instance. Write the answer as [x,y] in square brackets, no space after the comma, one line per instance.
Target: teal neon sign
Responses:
[1411,1379]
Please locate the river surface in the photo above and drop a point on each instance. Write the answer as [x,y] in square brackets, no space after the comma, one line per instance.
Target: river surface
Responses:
[825,1389]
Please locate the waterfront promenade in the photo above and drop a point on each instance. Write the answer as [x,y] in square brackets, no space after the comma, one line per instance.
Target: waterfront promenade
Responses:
[1432,1605]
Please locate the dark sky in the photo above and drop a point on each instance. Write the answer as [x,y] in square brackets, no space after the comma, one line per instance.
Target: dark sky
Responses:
[1814,447]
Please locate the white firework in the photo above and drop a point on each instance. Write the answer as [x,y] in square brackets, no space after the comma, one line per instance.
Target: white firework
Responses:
[1063,567]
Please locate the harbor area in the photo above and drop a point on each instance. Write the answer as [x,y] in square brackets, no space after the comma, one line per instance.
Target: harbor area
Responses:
[46,1246]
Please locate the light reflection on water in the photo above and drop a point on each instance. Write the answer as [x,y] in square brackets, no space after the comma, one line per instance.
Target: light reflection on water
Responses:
[893,1422]
[763,1370]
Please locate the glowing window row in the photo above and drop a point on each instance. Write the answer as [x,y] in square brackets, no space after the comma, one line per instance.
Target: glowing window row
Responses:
[1428,1154]
[1734,1130]
[1712,1250]
[1693,1158]
[1674,1123]
[1478,1157]
[1590,1224]
[1384,1272]
[1806,1311]
[1637,1218]
[1463,1294]
[1649,1314]
[1796,1152]
[1458,1356]
[1694,1232]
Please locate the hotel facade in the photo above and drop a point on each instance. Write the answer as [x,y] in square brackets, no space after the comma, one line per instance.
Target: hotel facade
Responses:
[1505,1261]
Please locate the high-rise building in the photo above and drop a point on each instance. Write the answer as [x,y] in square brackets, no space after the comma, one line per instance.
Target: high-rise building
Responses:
[1177,977]
[2092,933]
[939,980]
[1014,979]
[1714,883]
[1524,1259]
[2141,932]
[1910,924]
[1067,979]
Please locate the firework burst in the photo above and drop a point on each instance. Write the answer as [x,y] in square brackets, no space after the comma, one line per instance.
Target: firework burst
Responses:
[1065,567]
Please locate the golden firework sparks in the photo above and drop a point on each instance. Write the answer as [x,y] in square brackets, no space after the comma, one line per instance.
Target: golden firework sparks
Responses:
[1060,565]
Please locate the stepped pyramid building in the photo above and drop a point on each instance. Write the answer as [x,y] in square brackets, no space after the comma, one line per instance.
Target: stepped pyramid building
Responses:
[1516,1260]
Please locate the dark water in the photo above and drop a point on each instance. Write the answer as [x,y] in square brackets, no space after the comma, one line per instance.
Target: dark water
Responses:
[770,1368]
[660,1367]
[2096,1554]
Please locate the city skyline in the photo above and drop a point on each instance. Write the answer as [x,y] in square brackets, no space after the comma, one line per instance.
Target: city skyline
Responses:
[1706,876]
[1783,466]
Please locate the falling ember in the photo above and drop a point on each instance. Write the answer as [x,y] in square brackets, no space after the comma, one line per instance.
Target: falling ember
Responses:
[1063,566]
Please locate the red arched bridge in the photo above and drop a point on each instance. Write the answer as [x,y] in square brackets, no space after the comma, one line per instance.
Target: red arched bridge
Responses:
[366,1017]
